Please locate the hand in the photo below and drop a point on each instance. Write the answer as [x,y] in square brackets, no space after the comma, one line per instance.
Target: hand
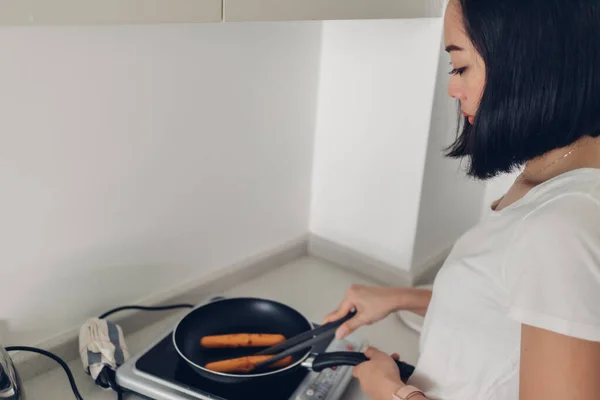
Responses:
[379,377]
[372,304]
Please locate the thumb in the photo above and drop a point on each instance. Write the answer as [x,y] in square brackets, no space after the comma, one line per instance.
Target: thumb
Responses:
[371,352]
[348,327]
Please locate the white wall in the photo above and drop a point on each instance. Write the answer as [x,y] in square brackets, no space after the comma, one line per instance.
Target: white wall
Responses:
[450,201]
[135,158]
[375,96]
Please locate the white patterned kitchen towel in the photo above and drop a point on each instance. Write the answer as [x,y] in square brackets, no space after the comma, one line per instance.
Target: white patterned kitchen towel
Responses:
[101,344]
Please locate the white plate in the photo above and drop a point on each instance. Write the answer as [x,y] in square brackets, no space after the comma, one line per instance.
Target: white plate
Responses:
[412,320]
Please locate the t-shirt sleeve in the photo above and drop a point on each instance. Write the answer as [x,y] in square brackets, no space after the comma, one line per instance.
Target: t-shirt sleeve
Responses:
[553,268]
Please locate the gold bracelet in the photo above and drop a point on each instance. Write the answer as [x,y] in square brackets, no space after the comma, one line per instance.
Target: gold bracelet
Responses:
[406,392]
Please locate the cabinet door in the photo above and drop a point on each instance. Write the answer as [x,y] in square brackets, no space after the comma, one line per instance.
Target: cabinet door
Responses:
[77,12]
[14,12]
[281,10]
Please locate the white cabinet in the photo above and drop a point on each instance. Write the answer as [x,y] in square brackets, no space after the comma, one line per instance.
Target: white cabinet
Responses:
[282,10]
[89,12]
[14,12]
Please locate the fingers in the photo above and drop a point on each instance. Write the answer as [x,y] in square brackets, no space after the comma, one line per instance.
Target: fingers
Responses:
[371,352]
[346,305]
[341,312]
[348,327]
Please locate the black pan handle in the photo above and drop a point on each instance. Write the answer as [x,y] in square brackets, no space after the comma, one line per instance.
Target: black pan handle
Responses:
[338,358]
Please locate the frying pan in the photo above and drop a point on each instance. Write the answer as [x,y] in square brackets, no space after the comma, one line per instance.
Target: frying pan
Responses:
[250,315]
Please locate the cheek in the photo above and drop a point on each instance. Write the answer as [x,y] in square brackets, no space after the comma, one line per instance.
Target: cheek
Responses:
[474,93]
[480,88]
[477,85]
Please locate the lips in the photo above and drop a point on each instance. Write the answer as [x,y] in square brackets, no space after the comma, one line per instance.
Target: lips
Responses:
[470,117]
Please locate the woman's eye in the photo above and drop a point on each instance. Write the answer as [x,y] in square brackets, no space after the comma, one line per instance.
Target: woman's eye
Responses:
[458,71]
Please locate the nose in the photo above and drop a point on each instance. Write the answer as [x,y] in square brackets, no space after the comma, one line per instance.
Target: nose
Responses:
[455,91]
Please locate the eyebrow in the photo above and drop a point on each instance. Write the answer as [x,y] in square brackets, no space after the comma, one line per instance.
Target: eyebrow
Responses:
[453,47]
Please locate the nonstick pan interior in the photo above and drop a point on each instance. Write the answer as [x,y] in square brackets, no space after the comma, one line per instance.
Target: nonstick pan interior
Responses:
[236,315]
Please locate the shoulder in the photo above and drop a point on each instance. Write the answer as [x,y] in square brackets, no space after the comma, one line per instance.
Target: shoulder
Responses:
[552,266]
[560,214]
[571,200]
[559,232]
[559,217]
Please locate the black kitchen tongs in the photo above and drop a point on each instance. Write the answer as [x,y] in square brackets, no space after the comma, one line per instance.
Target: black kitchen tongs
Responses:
[309,338]
[302,341]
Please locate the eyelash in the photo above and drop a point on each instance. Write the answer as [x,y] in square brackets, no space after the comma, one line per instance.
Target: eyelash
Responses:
[458,71]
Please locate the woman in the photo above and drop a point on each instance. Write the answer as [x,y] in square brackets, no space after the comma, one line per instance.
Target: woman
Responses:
[515,310]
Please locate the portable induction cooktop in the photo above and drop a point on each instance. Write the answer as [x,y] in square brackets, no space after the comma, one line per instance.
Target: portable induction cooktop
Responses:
[159,373]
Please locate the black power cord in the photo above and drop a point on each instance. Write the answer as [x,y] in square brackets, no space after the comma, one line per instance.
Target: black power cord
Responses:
[55,358]
[108,376]
[161,308]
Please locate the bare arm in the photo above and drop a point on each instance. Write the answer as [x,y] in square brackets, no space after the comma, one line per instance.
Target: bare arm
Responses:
[555,366]
[415,300]
[374,303]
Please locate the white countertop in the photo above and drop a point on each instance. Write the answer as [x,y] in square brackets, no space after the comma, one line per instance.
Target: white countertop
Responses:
[312,286]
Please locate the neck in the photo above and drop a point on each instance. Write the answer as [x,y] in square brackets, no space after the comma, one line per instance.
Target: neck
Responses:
[582,153]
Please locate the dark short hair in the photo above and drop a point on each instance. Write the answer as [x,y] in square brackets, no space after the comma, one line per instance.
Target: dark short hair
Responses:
[542,89]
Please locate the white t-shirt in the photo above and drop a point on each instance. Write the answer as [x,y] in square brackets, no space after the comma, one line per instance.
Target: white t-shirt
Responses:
[535,262]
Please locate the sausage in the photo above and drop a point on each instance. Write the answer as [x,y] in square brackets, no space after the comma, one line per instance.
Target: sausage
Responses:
[245,364]
[242,340]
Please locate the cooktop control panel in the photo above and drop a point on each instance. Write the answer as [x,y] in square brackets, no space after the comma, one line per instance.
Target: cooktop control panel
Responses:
[330,383]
